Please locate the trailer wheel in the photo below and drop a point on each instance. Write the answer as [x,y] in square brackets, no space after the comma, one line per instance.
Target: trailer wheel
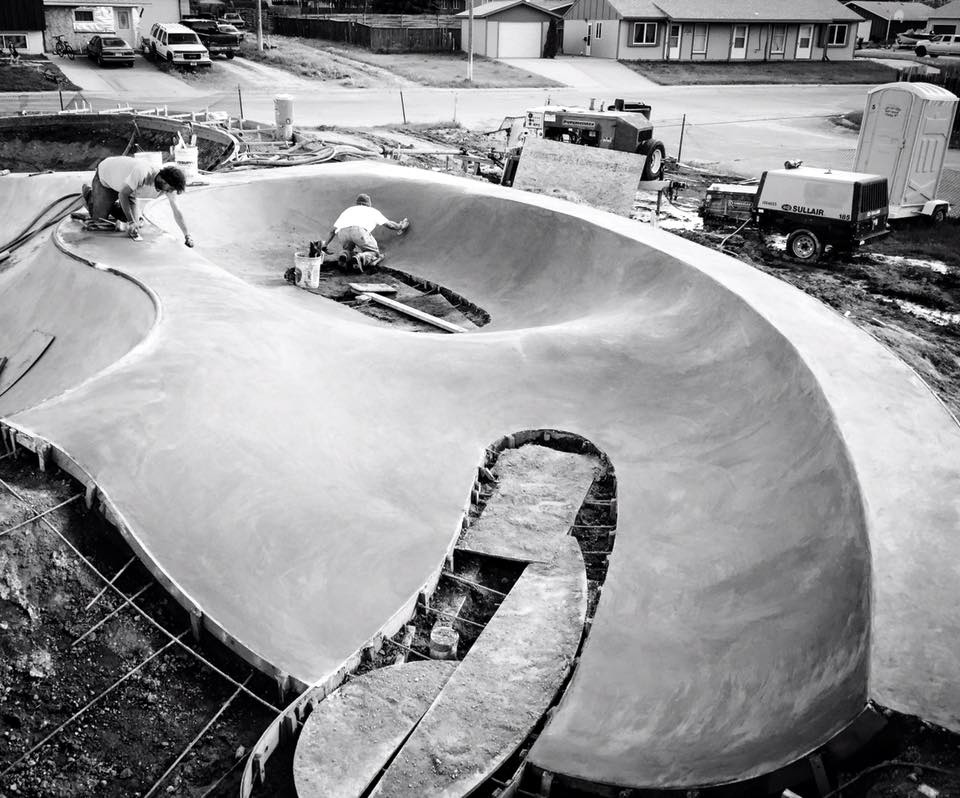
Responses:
[803,245]
[939,215]
[655,152]
[920,50]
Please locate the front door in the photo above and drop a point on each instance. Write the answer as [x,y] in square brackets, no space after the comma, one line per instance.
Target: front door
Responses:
[123,20]
[673,41]
[587,39]
[805,42]
[738,47]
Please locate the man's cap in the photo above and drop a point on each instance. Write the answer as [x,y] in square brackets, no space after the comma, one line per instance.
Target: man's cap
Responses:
[363,199]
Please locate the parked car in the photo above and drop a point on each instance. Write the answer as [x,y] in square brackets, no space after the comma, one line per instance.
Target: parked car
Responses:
[109,49]
[943,44]
[911,38]
[220,38]
[175,44]
[234,18]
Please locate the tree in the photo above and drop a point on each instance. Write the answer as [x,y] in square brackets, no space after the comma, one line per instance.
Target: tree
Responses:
[550,45]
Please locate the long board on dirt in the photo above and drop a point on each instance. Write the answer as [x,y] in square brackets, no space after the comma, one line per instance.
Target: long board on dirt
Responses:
[501,689]
[538,495]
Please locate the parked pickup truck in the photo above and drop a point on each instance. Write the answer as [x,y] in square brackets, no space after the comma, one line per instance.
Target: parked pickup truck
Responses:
[174,44]
[220,38]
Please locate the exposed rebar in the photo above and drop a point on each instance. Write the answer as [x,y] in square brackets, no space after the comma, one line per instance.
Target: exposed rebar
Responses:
[477,585]
[105,588]
[109,615]
[37,517]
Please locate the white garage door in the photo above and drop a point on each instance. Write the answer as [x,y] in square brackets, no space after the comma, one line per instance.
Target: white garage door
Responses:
[519,40]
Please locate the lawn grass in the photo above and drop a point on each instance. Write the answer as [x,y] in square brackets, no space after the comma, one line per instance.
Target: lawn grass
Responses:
[27,77]
[676,73]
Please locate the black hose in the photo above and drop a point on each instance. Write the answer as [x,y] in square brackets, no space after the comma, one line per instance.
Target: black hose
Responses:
[28,232]
[893,763]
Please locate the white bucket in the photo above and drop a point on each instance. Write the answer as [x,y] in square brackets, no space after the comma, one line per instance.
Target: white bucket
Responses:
[310,269]
[155,159]
[283,111]
[187,158]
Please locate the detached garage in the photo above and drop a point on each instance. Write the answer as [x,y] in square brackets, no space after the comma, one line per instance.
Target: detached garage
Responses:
[507,29]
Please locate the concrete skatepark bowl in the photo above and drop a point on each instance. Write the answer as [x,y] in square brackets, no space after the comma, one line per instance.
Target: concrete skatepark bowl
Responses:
[295,474]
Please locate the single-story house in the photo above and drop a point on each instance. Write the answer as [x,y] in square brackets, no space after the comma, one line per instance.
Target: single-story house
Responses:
[77,22]
[945,19]
[507,29]
[21,26]
[711,30]
[882,21]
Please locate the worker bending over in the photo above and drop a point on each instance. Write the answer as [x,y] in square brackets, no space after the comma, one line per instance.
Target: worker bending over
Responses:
[116,182]
[354,228]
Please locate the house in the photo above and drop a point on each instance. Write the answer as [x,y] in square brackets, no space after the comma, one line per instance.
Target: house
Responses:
[882,21]
[507,29]
[21,26]
[945,19]
[711,30]
[77,22]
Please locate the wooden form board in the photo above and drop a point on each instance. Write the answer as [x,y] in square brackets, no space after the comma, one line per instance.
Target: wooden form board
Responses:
[23,357]
[603,178]
[413,312]
[372,288]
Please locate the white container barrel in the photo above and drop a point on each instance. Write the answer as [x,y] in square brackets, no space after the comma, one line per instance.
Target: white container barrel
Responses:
[187,158]
[283,111]
[310,269]
[155,159]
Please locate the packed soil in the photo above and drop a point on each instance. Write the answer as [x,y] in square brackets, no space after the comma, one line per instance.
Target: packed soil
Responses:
[714,73]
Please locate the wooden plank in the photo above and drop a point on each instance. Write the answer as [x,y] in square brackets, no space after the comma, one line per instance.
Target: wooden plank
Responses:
[501,689]
[373,288]
[355,732]
[29,351]
[413,312]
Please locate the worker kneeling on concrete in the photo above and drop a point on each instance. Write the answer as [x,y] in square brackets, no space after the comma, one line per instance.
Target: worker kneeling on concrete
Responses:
[354,229]
[113,193]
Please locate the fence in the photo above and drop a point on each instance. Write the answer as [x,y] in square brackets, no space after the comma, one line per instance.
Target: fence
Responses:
[949,78]
[425,35]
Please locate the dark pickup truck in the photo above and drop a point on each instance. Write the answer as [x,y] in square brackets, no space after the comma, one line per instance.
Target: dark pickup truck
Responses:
[217,37]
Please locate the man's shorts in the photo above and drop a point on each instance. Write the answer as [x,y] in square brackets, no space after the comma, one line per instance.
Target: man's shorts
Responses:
[103,202]
[357,238]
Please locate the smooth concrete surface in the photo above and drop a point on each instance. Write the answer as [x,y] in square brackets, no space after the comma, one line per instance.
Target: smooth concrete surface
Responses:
[787,508]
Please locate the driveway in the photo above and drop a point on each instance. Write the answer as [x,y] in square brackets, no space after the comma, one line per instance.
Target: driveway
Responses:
[584,73]
[144,81]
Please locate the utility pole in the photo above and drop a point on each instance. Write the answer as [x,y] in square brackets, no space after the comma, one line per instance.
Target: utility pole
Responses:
[260,25]
[470,40]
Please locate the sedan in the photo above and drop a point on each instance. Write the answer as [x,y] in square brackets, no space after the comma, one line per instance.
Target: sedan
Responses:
[944,44]
[108,49]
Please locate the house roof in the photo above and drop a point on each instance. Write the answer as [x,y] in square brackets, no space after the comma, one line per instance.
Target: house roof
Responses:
[911,12]
[950,10]
[738,10]
[496,6]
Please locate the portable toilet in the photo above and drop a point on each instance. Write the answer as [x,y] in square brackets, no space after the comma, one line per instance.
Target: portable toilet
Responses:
[904,136]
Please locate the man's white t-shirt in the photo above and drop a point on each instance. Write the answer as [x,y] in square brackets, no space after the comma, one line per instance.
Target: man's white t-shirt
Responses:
[362,216]
[122,171]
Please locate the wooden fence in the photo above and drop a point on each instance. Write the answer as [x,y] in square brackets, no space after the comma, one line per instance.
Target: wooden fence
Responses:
[376,37]
[948,78]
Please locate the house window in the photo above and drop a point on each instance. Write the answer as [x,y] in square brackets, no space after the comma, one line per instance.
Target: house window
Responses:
[83,15]
[599,30]
[16,40]
[778,40]
[645,33]
[836,35]
[700,38]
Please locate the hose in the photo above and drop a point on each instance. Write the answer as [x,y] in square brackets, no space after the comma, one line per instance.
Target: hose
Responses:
[28,232]
[893,763]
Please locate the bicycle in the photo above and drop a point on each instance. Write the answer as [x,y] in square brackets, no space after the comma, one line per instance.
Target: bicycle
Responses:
[64,48]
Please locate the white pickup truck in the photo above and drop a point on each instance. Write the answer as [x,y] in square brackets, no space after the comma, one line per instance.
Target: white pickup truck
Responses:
[175,44]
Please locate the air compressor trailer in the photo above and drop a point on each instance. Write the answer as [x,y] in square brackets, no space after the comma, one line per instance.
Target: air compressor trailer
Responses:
[904,136]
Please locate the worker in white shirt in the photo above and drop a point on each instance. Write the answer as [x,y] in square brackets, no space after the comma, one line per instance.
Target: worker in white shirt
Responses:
[354,229]
[116,182]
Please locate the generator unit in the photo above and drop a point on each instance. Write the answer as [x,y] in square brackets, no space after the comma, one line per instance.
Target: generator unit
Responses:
[614,129]
[904,136]
[817,208]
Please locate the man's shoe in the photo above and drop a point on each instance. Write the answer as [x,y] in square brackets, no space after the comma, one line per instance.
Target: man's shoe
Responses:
[357,263]
[342,260]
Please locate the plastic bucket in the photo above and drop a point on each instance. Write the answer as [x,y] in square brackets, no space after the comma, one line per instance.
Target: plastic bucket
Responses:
[443,642]
[187,158]
[155,159]
[310,269]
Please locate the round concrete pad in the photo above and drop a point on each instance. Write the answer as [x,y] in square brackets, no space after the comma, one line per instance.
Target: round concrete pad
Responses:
[352,734]
[787,508]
